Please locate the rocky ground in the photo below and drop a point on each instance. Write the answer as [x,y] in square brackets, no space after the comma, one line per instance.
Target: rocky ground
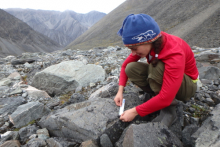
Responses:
[65,99]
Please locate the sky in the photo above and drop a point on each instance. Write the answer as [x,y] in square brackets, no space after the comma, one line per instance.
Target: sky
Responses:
[79,6]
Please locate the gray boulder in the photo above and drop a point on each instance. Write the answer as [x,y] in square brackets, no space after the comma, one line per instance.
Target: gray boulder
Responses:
[108,90]
[28,112]
[10,135]
[61,142]
[150,135]
[206,56]
[67,76]
[105,141]
[5,82]
[26,132]
[89,119]
[10,104]
[208,133]
[36,142]
[186,135]
[82,121]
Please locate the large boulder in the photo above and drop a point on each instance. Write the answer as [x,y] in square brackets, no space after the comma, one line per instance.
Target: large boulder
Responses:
[150,135]
[82,121]
[67,76]
[208,133]
[28,112]
[89,119]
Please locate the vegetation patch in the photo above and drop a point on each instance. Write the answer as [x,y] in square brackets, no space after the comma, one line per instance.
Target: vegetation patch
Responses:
[200,112]
[65,97]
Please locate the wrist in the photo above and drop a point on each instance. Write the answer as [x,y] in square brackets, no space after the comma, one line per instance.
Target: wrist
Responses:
[134,111]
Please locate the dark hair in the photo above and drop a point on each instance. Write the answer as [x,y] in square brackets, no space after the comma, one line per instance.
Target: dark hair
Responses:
[157,46]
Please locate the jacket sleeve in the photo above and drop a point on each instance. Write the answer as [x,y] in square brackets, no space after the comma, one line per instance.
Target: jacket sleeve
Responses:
[123,77]
[172,79]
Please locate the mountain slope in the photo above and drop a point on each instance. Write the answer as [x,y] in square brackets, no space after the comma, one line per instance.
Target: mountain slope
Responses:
[17,37]
[62,27]
[195,21]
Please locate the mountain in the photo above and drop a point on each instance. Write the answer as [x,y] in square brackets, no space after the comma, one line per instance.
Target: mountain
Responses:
[62,27]
[195,21]
[17,37]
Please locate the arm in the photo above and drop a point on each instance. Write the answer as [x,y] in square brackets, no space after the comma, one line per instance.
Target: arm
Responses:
[123,78]
[119,96]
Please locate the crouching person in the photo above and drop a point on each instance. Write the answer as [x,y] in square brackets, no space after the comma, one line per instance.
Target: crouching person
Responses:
[170,74]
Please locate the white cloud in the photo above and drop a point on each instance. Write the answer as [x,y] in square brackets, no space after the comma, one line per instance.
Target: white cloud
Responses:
[79,6]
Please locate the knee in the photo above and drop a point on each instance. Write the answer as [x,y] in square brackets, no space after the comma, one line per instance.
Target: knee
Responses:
[129,70]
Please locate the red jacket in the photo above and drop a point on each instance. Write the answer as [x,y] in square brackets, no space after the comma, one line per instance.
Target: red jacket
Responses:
[178,59]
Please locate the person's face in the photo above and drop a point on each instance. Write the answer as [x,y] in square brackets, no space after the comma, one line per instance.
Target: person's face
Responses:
[141,50]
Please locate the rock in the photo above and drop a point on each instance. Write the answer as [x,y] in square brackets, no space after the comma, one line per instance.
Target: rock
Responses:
[11,143]
[10,104]
[61,142]
[210,102]
[76,98]
[52,103]
[150,135]
[17,62]
[15,76]
[36,93]
[89,143]
[194,120]
[5,82]
[186,135]
[176,127]
[16,91]
[26,132]
[105,141]
[28,112]
[76,122]
[206,56]
[43,134]
[210,73]
[215,98]
[36,142]
[106,91]
[10,135]
[208,133]
[67,76]
[78,89]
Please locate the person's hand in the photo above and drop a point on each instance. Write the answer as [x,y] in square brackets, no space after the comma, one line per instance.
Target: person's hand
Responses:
[128,115]
[118,99]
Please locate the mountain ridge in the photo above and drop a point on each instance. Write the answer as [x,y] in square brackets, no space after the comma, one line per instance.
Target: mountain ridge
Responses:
[17,37]
[61,27]
[171,15]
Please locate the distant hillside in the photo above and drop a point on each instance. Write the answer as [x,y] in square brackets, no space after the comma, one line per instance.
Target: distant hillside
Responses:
[62,27]
[17,37]
[195,21]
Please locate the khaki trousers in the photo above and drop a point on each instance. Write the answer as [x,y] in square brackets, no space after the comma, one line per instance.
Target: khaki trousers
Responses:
[143,74]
